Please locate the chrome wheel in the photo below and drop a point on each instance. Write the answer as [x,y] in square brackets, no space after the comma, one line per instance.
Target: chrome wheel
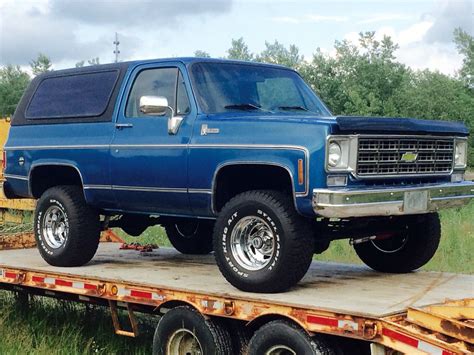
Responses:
[252,243]
[55,227]
[183,342]
[280,350]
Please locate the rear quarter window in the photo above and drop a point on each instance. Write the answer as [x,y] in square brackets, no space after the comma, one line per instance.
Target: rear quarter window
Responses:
[71,96]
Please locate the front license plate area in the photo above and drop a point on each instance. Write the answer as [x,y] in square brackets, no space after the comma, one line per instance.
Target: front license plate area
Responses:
[415,202]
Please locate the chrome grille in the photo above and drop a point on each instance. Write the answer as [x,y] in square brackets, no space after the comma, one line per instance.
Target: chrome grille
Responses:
[389,156]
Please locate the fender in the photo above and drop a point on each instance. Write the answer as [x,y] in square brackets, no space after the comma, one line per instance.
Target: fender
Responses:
[249,162]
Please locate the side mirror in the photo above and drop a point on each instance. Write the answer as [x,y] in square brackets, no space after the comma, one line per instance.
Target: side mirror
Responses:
[154,105]
[157,106]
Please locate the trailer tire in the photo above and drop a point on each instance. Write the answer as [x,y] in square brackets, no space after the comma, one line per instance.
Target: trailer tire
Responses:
[261,243]
[184,328]
[190,236]
[73,240]
[413,248]
[240,336]
[282,336]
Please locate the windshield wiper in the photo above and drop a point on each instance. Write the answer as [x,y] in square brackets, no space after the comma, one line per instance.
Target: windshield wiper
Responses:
[288,108]
[244,106]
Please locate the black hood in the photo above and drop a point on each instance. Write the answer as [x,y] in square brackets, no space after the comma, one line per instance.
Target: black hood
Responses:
[394,125]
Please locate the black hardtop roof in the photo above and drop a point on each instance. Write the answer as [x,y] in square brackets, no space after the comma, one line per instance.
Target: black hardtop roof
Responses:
[123,66]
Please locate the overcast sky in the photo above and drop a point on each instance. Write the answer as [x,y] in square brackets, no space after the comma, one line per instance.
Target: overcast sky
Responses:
[72,30]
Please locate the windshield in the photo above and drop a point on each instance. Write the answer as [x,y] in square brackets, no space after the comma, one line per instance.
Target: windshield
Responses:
[227,87]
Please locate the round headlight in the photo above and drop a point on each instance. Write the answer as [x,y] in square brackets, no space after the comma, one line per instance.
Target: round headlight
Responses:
[334,154]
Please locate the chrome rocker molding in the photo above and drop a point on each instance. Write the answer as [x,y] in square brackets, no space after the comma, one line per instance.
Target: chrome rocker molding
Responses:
[344,203]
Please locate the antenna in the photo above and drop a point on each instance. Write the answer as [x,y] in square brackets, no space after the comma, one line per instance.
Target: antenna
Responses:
[116,51]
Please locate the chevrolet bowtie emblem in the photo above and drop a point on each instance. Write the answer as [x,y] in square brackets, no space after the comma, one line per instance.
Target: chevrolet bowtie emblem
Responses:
[409,157]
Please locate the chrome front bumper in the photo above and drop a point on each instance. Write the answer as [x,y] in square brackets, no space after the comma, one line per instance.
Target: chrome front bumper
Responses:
[353,202]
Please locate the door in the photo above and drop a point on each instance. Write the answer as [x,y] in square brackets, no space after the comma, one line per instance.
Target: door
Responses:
[149,165]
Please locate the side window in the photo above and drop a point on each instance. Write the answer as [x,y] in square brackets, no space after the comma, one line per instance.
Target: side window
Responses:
[182,99]
[154,82]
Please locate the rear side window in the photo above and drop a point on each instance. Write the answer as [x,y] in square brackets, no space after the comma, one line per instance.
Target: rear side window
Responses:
[79,95]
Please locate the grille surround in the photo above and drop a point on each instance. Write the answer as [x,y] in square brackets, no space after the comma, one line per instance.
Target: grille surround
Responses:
[380,157]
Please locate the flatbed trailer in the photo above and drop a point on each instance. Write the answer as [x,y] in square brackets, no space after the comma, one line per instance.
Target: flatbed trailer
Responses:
[417,313]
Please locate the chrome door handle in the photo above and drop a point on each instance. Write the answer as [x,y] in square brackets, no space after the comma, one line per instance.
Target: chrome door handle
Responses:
[123,125]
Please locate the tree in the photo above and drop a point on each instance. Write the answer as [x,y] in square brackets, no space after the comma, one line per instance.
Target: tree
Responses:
[358,81]
[13,82]
[201,54]
[41,64]
[465,45]
[277,53]
[239,50]
[80,64]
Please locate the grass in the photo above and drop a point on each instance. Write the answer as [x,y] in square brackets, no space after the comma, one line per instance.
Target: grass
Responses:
[52,327]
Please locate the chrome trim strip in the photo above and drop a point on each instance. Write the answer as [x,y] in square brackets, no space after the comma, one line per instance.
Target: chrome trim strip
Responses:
[344,203]
[17,177]
[149,189]
[200,191]
[43,147]
[97,187]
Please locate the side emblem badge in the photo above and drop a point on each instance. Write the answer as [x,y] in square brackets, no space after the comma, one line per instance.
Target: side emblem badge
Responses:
[205,130]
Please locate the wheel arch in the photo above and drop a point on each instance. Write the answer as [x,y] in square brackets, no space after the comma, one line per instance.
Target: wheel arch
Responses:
[68,168]
[284,169]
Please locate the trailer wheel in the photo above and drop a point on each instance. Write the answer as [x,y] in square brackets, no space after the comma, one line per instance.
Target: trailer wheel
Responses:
[190,236]
[183,330]
[261,243]
[281,337]
[407,250]
[67,230]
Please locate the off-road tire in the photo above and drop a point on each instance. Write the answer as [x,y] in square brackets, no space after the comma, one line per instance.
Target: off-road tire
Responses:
[83,222]
[213,337]
[197,240]
[287,334]
[423,233]
[293,249]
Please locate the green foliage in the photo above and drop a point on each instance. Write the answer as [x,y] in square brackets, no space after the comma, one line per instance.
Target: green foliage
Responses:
[202,54]
[277,53]
[239,50]
[13,81]
[465,44]
[41,64]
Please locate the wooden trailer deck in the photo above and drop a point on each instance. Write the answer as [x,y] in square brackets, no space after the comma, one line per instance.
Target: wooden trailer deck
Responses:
[352,289]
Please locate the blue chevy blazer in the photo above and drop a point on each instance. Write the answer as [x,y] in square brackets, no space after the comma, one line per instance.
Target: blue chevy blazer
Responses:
[238,158]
